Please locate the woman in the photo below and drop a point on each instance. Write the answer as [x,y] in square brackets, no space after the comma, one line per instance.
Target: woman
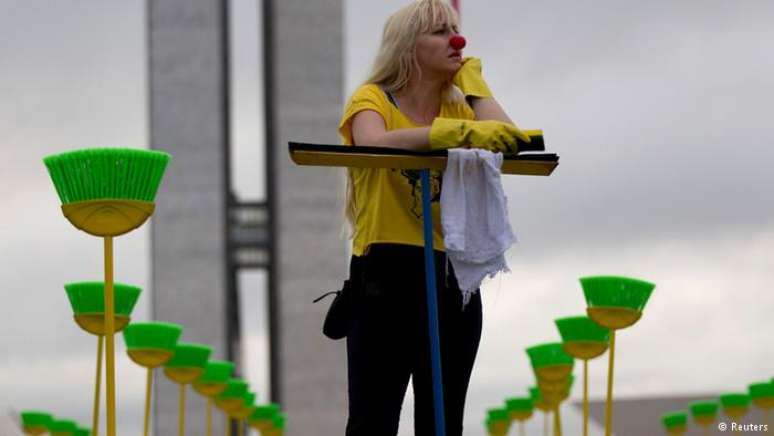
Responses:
[421,95]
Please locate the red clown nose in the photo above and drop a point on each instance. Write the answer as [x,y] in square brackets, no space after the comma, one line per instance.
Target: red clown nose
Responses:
[457,42]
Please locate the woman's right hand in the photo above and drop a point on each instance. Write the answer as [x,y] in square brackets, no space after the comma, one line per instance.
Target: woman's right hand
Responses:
[469,79]
[488,134]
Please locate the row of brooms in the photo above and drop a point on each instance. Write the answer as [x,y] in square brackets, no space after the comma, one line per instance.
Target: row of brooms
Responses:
[734,405]
[613,303]
[108,192]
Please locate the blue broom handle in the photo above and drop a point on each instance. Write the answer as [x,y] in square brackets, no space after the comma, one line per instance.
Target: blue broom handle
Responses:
[432,306]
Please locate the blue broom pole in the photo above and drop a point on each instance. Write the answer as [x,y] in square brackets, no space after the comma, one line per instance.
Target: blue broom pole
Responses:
[432,307]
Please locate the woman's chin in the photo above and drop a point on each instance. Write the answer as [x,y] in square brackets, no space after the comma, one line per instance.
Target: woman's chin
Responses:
[451,66]
[444,72]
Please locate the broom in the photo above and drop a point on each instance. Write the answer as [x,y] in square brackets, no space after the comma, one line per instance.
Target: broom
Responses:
[107,192]
[583,339]
[185,366]
[520,409]
[675,423]
[212,383]
[232,398]
[87,300]
[82,431]
[278,425]
[62,427]
[614,302]
[262,418]
[35,422]
[241,414]
[150,345]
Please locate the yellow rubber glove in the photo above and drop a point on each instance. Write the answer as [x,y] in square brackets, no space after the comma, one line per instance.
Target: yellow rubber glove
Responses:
[491,135]
[468,78]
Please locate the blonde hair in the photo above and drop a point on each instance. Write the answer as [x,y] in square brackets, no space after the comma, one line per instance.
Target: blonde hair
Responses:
[396,62]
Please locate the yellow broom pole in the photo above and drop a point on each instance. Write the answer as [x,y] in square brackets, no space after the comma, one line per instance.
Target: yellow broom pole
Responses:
[557,422]
[97,387]
[585,397]
[609,403]
[209,416]
[110,369]
[148,384]
[181,422]
[240,428]
[228,426]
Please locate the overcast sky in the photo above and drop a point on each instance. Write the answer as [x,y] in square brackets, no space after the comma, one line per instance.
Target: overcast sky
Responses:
[660,113]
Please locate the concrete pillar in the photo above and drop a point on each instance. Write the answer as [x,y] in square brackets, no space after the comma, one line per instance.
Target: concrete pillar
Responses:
[188,118]
[306,92]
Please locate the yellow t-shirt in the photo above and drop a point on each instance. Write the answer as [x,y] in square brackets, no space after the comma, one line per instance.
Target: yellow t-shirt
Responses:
[389,201]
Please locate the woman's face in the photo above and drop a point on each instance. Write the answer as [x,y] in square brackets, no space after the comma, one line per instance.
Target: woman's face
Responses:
[435,54]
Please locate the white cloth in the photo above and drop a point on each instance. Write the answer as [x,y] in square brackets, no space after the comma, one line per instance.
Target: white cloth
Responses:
[474,217]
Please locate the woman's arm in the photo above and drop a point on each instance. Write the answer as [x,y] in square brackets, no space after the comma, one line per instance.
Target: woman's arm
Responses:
[477,93]
[487,108]
[368,129]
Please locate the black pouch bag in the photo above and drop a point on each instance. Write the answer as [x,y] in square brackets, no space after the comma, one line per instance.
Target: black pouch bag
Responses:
[337,320]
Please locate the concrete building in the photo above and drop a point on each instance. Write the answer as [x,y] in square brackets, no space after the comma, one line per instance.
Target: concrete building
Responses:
[193,265]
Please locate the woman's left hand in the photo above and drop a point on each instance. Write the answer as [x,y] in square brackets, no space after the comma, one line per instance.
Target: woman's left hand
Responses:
[469,79]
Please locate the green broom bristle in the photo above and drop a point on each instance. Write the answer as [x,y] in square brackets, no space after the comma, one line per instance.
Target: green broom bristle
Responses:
[82,431]
[235,388]
[62,426]
[266,411]
[581,328]
[89,297]
[548,354]
[107,173]
[279,421]
[675,419]
[735,400]
[36,418]
[498,415]
[761,390]
[704,408]
[519,404]
[216,371]
[616,291]
[189,355]
[156,335]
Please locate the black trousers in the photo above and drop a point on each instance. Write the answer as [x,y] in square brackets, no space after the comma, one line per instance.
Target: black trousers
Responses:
[388,343]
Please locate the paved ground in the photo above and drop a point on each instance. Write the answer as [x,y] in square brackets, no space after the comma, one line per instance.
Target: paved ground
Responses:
[642,416]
